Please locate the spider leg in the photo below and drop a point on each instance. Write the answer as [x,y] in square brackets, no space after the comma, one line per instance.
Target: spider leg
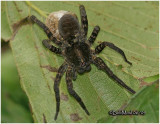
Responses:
[101,46]
[71,90]
[51,47]
[84,20]
[45,28]
[102,66]
[74,76]
[94,34]
[59,75]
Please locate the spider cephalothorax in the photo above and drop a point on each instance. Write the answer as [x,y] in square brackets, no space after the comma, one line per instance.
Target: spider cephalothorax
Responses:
[76,49]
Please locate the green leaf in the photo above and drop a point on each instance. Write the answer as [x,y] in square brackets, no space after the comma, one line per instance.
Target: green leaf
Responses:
[6,33]
[149,106]
[151,78]
[14,101]
[132,26]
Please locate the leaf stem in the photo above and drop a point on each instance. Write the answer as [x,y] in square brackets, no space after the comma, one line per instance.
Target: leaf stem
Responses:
[36,9]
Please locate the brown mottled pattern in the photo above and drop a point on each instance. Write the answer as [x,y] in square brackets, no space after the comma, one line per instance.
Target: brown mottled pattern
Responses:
[51,47]
[45,28]
[75,117]
[79,54]
[94,34]
[84,20]
[52,24]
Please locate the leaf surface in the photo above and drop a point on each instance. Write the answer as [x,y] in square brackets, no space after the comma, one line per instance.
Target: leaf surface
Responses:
[148,108]
[128,25]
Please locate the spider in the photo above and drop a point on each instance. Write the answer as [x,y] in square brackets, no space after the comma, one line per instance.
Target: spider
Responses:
[76,49]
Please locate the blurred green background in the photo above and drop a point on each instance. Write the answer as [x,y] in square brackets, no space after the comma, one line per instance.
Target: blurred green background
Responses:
[14,102]
[15,105]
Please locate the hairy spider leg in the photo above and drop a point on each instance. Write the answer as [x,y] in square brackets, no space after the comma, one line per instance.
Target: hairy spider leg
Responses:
[59,75]
[84,20]
[51,47]
[102,66]
[101,46]
[45,28]
[74,74]
[94,34]
[71,90]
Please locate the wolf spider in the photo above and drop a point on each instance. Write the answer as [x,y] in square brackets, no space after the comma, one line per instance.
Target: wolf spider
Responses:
[76,49]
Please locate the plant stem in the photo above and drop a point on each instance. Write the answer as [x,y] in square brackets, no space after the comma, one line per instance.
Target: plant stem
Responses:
[36,9]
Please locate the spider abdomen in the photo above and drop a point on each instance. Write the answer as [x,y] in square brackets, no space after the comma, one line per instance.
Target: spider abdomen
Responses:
[53,20]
